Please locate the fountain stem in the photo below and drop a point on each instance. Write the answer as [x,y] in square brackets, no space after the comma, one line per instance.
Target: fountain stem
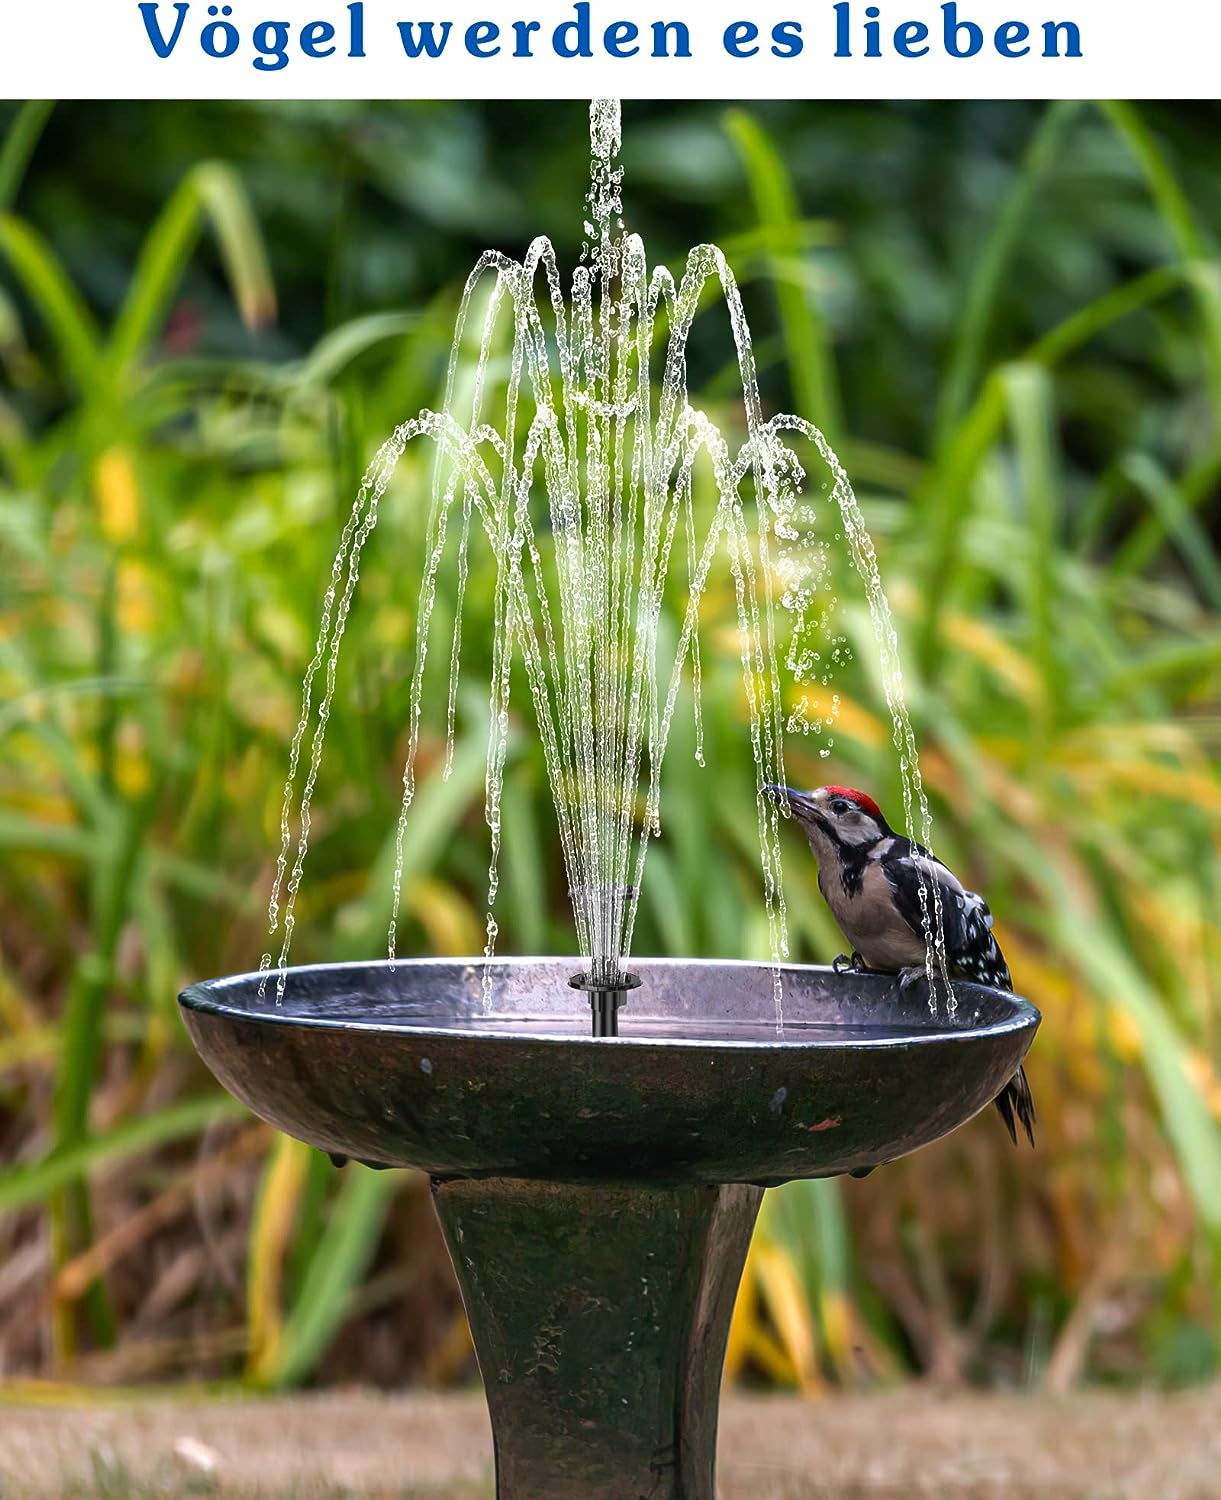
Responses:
[600,1313]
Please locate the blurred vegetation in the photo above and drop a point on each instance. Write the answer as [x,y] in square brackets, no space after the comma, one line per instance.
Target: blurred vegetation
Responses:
[1009,318]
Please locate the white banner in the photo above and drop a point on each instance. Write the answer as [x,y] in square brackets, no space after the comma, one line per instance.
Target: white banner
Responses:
[793,49]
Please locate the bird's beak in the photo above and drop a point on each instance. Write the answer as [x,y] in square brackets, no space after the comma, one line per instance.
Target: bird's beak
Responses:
[800,804]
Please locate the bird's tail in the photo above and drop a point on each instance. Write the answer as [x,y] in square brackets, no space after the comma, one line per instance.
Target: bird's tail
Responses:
[1015,1102]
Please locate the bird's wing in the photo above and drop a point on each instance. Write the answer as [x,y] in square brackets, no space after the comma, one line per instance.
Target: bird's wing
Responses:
[980,957]
[909,866]
[972,951]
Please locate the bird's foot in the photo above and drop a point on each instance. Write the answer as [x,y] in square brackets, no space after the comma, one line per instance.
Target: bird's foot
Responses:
[912,975]
[842,964]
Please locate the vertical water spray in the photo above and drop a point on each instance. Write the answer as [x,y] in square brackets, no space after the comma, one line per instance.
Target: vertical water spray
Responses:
[579,469]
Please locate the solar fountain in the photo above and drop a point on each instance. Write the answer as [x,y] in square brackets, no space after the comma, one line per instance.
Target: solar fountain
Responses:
[597,1167]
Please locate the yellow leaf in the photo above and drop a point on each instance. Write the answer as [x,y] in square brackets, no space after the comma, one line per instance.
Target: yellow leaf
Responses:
[1204,1078]
[132,773]
[838,1328]
[134,606]
[274,1216]
[973,638]
[118,495]
[1125,1035]
[446,916]
[790,1312]
[771,1359]
[741,1325]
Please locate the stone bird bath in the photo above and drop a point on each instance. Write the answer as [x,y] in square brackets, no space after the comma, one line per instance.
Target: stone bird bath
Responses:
[598,1193]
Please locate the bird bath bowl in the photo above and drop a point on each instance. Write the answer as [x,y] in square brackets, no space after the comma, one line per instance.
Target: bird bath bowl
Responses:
[598,1194]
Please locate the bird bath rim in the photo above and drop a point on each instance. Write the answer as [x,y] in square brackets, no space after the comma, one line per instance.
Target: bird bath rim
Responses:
[798,1031]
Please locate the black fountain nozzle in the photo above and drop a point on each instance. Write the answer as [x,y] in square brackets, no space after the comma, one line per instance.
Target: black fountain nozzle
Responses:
[605,998]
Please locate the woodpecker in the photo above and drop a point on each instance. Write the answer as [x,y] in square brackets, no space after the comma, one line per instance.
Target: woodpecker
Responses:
[870,877]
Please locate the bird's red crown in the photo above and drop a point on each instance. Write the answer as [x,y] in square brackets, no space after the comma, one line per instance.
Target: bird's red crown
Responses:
[862,799]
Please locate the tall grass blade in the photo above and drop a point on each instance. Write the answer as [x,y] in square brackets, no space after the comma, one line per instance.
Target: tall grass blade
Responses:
[1028,391]
[1184,230]
[1178,522]
[70,1210]
[336,350]
[1101,955]
[942,508]
[284,1179]
[223,200]
[212,191]
[992,263]
[524,859]
[333,1275]
[806,1220]
[20,142]
[807,341]
[56,299]
[23,1186]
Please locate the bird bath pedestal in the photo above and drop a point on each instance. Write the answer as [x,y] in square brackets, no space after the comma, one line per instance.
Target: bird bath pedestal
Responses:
[598,1194]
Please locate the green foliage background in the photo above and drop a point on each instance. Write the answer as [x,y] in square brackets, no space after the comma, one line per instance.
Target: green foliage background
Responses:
[1007,316]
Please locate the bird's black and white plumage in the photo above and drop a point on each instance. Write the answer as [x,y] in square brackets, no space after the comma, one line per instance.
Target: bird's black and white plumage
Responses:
[879,884]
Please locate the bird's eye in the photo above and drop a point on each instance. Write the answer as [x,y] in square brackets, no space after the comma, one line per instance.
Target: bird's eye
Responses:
[840,805]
